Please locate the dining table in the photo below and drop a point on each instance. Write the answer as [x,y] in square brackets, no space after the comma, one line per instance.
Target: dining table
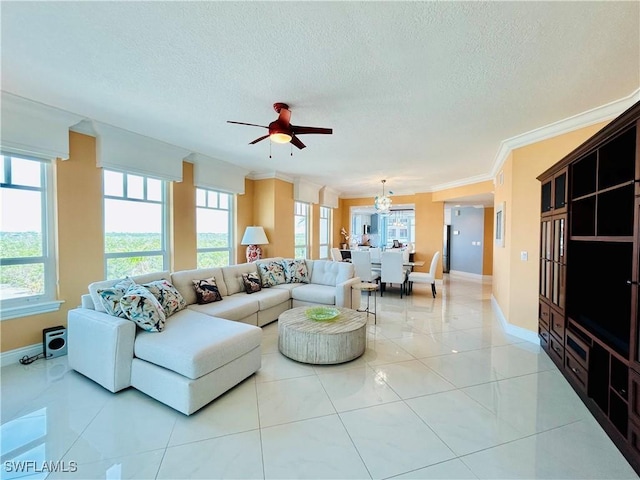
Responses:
[418,263]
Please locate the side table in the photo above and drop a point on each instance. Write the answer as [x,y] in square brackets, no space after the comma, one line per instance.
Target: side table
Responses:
[369,287]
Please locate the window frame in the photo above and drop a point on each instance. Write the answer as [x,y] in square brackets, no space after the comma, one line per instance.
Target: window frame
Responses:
[46,301]
[306,214]
[164,236]
[326,214]
[230,223]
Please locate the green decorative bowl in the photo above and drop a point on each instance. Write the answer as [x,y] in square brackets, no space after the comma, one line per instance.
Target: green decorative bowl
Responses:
[322,314]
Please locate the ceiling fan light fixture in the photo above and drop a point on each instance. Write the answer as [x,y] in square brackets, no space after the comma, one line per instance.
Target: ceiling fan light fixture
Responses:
[280,137]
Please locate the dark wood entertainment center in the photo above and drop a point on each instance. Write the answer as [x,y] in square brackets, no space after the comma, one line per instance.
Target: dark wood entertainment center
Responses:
[588,316]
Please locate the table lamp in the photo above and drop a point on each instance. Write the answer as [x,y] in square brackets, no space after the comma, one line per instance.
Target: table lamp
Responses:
[254,237]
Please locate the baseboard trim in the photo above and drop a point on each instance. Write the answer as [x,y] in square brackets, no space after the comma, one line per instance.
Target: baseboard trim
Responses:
[13,356]
[510,329]
[477,276]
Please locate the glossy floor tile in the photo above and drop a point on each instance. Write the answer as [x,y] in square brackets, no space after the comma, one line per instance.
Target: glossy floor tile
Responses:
[440,392]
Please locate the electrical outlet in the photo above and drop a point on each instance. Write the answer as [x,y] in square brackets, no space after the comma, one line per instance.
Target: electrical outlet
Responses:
[524,256]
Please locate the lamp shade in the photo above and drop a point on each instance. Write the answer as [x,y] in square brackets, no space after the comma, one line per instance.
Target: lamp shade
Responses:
[254,236]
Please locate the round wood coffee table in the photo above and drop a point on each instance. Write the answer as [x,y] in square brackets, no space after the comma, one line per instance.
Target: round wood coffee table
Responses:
[322,343]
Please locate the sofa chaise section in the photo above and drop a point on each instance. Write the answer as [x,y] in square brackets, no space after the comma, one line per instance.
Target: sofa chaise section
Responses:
[200,356]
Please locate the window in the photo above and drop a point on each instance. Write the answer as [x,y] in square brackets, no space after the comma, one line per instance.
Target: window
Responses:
[400,225]
[135,224]
[325,231]
[213,219]
[301,226]
[27,260]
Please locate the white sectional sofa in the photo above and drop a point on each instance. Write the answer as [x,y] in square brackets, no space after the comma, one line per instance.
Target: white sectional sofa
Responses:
[203,350]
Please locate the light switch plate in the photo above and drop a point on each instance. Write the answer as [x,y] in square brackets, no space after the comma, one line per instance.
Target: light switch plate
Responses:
[524,256]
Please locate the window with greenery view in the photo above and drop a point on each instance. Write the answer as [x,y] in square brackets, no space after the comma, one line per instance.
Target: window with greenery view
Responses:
[325,231]
[135,224]
[213,218]
[301,229]
[27,263]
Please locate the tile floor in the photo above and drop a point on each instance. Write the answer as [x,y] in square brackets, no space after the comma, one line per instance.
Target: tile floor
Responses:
[441,392]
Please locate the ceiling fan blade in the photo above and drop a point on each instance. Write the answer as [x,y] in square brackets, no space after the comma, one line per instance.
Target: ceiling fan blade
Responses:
[284,116]
[258,139]
[250,124]
[298,130]
[296,142]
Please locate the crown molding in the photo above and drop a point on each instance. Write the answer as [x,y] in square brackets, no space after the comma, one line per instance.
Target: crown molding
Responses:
[462,182]
[575,122]
[268,175]
[84,127]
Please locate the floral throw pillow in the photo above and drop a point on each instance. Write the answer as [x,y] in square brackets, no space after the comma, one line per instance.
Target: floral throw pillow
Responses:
[207,290]
[271,273]
[251,282]
[110,297]
[168,296]
[296,271]
[141,307]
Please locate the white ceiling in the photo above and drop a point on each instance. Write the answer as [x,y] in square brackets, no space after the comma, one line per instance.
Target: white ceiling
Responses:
[419,93]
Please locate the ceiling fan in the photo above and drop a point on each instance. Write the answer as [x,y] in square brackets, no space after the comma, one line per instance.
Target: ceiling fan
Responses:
[281,130]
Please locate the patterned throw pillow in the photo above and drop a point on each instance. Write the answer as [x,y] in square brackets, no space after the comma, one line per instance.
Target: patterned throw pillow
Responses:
[296,271]
[207,290]
[167,295]
[141,307]
[271,273]
[110,297]
[251,282]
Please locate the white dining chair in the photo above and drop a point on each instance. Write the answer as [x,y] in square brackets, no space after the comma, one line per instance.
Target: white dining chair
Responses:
[336,255]
[422,277]
[393,271]
[362,262]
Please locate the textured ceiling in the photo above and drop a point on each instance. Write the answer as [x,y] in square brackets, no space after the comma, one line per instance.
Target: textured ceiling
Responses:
[418,93]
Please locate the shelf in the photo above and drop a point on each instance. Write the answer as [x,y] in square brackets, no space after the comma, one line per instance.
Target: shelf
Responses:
[583,176]
[615,211]
[595,238]
[617,160]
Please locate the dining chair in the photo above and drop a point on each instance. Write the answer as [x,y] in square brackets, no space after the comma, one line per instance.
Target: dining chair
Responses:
[336,255]
[361,260]
[393,271]
[421,277]
[375,254]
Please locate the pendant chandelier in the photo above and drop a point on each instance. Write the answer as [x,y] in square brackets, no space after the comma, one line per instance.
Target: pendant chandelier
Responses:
[382,203]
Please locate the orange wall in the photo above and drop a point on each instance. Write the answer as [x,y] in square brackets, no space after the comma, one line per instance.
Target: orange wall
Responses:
[273,209]
[244,218]
[314,232]
[515,281]
[182,226]
[80,242]
[284,213]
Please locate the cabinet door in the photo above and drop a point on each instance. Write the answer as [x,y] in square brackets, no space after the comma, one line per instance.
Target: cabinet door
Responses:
[635,293]
[559,238]
[546,227]
[560,191]
[547,194]
[558,268]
